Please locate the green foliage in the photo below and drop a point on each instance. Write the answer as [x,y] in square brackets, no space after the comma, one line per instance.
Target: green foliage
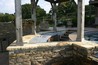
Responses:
[68,11]
[6,17]
[74,22]
[65,11]
[90,10]
[89,15]
[41,13]
[26,12]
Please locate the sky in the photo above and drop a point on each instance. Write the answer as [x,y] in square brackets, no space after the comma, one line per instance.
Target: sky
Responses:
[8,6]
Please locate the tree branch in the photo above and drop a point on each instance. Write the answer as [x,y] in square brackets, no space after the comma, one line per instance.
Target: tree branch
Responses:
[51,4]
[33,3]
[36,2]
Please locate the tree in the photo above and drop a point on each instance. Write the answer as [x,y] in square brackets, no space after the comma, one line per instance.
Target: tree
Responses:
[66,10]
[89,15]
[6,17]
[29,13]
[26,12]
[40,13]
[1,17]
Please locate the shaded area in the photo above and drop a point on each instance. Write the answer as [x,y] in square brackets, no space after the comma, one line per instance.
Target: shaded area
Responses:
[8,33]
[60,54]
[4,58]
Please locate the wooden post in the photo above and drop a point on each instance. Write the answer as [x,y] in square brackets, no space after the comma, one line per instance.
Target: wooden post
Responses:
[54,17]
[33,3]
[18,14]
[80,21]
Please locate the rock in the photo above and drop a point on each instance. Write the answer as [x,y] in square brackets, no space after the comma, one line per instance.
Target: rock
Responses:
[35,63]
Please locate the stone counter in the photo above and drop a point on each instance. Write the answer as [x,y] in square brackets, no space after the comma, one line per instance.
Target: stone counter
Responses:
[56,53]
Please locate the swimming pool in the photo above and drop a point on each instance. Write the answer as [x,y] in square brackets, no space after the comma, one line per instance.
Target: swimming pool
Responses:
[91,35]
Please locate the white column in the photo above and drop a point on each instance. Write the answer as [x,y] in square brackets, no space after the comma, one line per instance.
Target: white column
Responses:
[33,16]
[96,18]
[80,21]
[18,22]
[54,17]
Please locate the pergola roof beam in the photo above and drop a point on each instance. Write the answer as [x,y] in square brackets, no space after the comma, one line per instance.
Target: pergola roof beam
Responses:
[56,1]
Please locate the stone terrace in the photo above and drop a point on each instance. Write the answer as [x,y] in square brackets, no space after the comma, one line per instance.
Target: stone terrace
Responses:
[56,53]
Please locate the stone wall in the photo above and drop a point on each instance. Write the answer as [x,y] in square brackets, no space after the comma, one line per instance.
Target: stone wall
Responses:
[41,55]
[52,54]
[8,33]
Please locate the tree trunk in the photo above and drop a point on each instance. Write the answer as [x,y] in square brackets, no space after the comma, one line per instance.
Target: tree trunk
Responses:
[54,17]
[33,3]
[18,22]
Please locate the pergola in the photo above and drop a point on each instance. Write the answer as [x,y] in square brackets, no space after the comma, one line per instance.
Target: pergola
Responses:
[56,1]
[80,18]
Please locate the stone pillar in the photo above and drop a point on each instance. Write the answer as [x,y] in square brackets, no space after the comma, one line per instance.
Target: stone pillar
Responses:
[33,16]
[80,21]
[54,17]
[18,22]
[96,18]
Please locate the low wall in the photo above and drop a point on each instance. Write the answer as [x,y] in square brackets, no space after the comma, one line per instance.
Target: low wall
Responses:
[62,53]
[8,33]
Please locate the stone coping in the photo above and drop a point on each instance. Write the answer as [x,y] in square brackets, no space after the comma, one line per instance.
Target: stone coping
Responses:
[87,45]
[29,46]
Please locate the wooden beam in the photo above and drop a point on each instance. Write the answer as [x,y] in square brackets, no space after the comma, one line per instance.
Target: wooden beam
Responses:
[33,12]
[18,15]
[56,1]
[80,21]
[54,16]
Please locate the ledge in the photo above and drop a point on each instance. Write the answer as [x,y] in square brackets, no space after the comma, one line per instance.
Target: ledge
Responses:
[29,46]
[87,45]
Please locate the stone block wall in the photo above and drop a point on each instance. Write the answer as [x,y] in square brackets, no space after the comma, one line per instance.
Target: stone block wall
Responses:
[57,55]
[4,58]
[8,33]
[53,54]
